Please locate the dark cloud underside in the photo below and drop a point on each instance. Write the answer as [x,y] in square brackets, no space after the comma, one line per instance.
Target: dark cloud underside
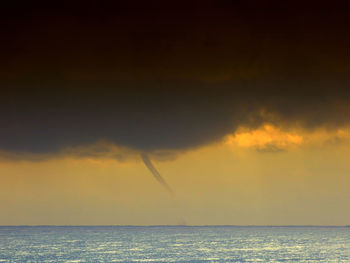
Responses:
[168,76]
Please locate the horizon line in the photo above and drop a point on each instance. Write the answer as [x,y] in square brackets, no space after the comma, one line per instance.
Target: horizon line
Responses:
[178,225]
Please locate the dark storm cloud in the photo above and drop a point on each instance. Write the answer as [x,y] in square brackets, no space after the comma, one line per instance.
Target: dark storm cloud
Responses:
[168,76]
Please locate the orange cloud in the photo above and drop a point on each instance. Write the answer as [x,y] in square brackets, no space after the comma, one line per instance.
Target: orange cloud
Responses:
[271,138]
[268,137]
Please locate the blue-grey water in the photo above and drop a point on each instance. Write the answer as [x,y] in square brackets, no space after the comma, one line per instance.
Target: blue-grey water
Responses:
[174,244]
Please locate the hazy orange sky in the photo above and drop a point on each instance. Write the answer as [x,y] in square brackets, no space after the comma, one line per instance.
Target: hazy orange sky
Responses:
[262,176]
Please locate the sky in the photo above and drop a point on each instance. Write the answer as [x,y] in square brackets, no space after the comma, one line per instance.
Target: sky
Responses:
[171,112]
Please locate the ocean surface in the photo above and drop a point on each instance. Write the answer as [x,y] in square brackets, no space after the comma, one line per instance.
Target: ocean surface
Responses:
[174,244]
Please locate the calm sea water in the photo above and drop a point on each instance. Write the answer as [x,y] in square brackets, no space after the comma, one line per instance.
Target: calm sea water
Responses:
[174,244]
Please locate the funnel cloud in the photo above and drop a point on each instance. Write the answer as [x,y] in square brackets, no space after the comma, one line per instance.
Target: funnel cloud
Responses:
[155,173]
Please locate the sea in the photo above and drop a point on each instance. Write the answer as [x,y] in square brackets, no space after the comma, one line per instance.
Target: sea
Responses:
[174,244]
